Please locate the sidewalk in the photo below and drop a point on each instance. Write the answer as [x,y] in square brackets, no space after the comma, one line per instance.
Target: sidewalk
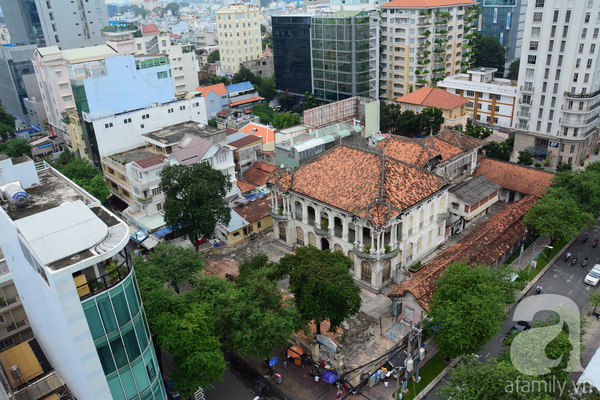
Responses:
[529,253]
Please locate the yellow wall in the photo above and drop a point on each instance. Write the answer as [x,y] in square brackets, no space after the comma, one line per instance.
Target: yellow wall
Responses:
[265,223]
[237,24]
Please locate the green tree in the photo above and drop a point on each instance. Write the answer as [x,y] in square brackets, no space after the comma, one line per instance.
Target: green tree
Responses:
[285,120]
[213,57]
[214,80]
[194,199]
[558,215]
[83,173]
[255,317]
[264,112]
[561,167]
[513,70]
[409,124]
[390,113]
[582,185]
[15,148]
[266,89]
[7,125]
[96,187]
[310,101]
[177,264]
[431,120]
[525,158]
[197,352]
[488,52]
[322,285]
[499,150]
[462,320]
[594,300]
[476,130]
[173,7]
[243,75]
[212,122]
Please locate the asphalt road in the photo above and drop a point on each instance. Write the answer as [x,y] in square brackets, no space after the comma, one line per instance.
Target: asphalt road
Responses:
[561,278]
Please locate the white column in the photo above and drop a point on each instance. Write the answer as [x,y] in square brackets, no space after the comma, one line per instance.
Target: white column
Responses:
[304,213]
[345,229]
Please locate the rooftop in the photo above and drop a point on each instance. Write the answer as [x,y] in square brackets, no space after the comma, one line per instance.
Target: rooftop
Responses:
[151,161]
[90,53]
[267,134]
[239,87]
[150,29]
[244,186]
[433,97]
[494,81]
[193,149]
[133,155]
[426,3]
[30,359]
[361,182]
[514,177]
[474,190]
[484,246]
[254,210]
[219,89]
[171,135]
[258,173]
[460,140]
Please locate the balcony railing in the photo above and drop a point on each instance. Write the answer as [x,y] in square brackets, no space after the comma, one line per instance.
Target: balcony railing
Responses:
[112,278]
[582,95]
[311,221]
[298,216]
[9,301]
[527,88]
[525,101]
[337,232]
[14,326]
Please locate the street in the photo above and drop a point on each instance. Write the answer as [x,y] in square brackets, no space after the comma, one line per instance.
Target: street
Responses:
[562,279]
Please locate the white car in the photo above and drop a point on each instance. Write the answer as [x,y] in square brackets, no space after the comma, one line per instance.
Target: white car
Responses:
[593,276]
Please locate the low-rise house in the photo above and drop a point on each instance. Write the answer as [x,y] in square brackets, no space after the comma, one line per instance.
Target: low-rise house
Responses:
[258,174]
[489,244]
[383,213]
[267,134]
[452,106]
[517,181]
[215,98]
[448,154]
[469,200]
[247,218]
[242,95]
[48,146]
[246,146]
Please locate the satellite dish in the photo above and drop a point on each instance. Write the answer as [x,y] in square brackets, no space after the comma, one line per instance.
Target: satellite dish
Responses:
[282,166]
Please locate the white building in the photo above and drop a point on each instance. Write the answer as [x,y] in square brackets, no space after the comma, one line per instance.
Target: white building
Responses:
[492,100]
[559,81]
[238,29]
[76,282]
[422,42]
[386,215]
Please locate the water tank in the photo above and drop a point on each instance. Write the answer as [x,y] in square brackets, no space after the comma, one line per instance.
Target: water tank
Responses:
[16,195]
[15,371]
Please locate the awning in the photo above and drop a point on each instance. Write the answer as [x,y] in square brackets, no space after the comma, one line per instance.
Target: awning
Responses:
[162,232]
[139,236]
[150,242]
[344,133]
[328,138]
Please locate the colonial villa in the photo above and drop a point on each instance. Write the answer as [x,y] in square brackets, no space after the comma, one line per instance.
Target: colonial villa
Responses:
[383,213]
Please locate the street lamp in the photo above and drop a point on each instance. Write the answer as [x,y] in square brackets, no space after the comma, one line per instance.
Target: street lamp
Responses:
[534,258]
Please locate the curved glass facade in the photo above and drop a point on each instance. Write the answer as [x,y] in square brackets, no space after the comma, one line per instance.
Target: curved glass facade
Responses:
[118,325]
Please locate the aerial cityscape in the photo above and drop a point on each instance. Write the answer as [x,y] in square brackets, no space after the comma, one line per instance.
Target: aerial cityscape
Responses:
[299,199]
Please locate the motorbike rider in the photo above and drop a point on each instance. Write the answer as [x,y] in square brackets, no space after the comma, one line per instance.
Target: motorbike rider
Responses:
[574,261]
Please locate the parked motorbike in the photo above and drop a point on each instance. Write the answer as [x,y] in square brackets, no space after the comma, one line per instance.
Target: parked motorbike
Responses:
[538,289]
[253,236]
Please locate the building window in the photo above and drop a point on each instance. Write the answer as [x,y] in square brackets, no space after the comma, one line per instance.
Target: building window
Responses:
[587,17]
[498,97]
[470,93]
[535,31]
[182,107]
[109,125]
[2,319]
[127,121]
[539,3]
[572,149]
[531,59]
[146,116]
[162,75]
[159,206]
[4,344]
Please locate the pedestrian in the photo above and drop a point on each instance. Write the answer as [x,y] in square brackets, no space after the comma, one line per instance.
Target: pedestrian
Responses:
[285,364]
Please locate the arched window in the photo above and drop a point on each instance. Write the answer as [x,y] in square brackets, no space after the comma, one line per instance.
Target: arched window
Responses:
[282,233]
[337,247]
[365,271]
[299,236]
[312,239]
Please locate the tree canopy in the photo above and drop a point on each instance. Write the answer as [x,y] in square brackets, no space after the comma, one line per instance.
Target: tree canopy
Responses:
[286,120]
[213,57]
[83,173]
[7,125]
[499,150]
[15,148]
[513,70]
[194,199]
[408,123]
[318,296]
[264,112]
[488,52]
[176,264]
[525,158]
[475,130]
[264,86]
[468,307]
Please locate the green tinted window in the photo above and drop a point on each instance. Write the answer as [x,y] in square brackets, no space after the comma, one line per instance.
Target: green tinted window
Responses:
[139,373]
[116,345]
[120,306]
[108,364]
[106,312]
[131,299]
[93,319]
[141,333]
[128,383]
[115,388]
[131,343]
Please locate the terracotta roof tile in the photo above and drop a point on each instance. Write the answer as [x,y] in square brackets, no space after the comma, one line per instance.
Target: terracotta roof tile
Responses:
[460,140]
[418,152]
[433,97]
[426,3]
[244,101]
[361,182]
[151,161]
[150,29]
[245,186]
[254,210]
[514,177]
[267,134]
[485,245]
[219,89]
[258,173]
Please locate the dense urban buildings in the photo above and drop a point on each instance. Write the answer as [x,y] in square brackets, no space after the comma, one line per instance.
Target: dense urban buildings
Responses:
[76,281]
[291,50]
[422,42]
[17,79]
[238,28]
[559,82]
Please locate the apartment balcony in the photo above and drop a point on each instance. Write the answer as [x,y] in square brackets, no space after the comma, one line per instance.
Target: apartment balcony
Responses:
[527,88]
[145,199]
[322,231]
[9,303]
[113,274]
[523,114]
[278,215]
[15,327]
[569,122]
[581,95]
[573,109]
[443,216]
[526,102]
[522,127]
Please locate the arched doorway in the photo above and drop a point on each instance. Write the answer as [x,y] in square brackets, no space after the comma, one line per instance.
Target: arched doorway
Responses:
[312,239]
[337,247]
[282,232]
[324,244]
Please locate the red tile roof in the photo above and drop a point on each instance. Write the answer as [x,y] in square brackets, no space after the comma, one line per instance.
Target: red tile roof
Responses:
[460,140]
[258,173]
[267,134]
[255,210]
[366,184]
[151,161]
[485,245]
[150,29]
[433,97]
[426,3]
[418,152]
[515,177]
[245,186]
[250,100]
[219,89]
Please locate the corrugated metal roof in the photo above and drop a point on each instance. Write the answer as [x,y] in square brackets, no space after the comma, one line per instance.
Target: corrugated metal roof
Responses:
[88,53]
[236,136]
[238,87]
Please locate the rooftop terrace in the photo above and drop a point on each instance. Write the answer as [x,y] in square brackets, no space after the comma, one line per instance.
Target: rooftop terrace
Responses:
[132,155]
[171,135]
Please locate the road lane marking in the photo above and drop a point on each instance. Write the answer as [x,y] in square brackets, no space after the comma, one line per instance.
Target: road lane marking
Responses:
[487,355]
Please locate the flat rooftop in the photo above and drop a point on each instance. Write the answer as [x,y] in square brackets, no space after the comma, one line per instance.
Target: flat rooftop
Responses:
[132,155]
[52,191]
[171,135]
[494,81]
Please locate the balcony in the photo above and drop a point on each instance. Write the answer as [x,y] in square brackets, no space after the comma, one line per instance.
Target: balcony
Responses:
[390,254]
[10,302]
[582,95]
[322,231]
[14,326]
[278,215]
[526,102]
[522,127]
[524,114]
[338,233]
[298,216]
[90,286]
[443,216]
[527,88]
[145,199]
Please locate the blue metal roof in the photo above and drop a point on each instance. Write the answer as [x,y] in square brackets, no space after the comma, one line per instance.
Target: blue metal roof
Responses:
[239,87]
